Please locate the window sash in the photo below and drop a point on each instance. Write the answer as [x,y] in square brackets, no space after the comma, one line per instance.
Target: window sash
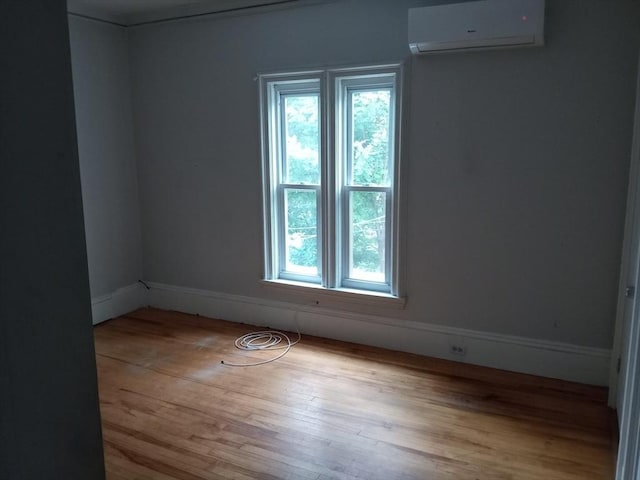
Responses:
[282,136]
[347,247]
[349,134]
[283,271]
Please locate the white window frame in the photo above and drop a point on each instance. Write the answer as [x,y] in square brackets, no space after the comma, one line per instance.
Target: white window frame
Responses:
[333,86]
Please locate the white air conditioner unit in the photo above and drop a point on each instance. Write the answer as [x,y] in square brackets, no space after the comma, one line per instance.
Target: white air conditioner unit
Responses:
[476,25]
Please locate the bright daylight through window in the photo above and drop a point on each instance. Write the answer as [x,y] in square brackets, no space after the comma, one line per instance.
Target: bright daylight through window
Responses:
[330,170]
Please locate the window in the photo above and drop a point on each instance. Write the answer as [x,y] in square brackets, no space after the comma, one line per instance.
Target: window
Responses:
[330,171]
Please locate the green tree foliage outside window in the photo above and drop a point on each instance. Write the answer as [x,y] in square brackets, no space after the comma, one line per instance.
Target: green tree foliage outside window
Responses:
[370,167]
[302,158]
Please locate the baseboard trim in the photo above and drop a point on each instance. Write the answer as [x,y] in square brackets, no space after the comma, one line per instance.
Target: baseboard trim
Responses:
[537,357]
[118,302]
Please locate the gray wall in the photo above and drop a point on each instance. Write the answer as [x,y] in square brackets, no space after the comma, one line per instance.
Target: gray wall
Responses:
[101,80]
[49,419]
[527,156]
[515,161]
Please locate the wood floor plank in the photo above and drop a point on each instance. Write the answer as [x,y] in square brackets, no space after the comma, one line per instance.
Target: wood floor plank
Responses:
[330,410]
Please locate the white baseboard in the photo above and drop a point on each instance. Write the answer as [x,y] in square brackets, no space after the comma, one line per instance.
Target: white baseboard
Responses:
[119,302]
[537,357]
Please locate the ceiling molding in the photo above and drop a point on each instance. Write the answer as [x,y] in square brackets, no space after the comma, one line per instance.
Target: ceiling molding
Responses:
[127,13]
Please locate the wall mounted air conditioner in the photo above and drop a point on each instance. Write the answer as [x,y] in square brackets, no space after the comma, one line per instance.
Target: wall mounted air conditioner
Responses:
[476,25]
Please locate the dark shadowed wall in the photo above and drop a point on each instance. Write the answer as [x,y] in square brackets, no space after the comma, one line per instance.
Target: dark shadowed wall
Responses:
[49,418]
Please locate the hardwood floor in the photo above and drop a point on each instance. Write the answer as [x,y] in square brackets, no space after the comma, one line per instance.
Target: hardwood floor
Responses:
[330,410]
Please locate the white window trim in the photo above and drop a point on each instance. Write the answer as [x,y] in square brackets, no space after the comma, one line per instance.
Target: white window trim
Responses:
[342,81]
[270,158]
[329,212]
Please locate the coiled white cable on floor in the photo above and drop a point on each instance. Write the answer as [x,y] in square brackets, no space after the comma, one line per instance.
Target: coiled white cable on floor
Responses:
[263,340]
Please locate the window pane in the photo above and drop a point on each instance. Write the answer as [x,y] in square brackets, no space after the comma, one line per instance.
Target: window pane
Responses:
[302,133]
[370,120]
[301,232]
[367,224]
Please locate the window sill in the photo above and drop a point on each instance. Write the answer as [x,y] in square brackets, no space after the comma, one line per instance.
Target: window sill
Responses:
[320,295]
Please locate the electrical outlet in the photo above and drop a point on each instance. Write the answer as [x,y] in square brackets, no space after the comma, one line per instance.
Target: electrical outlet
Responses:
[458,350]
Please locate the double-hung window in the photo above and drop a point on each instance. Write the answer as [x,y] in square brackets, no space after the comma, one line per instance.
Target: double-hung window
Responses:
[331,178]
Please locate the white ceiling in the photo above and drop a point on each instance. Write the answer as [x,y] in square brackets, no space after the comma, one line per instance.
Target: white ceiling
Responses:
[133,12]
